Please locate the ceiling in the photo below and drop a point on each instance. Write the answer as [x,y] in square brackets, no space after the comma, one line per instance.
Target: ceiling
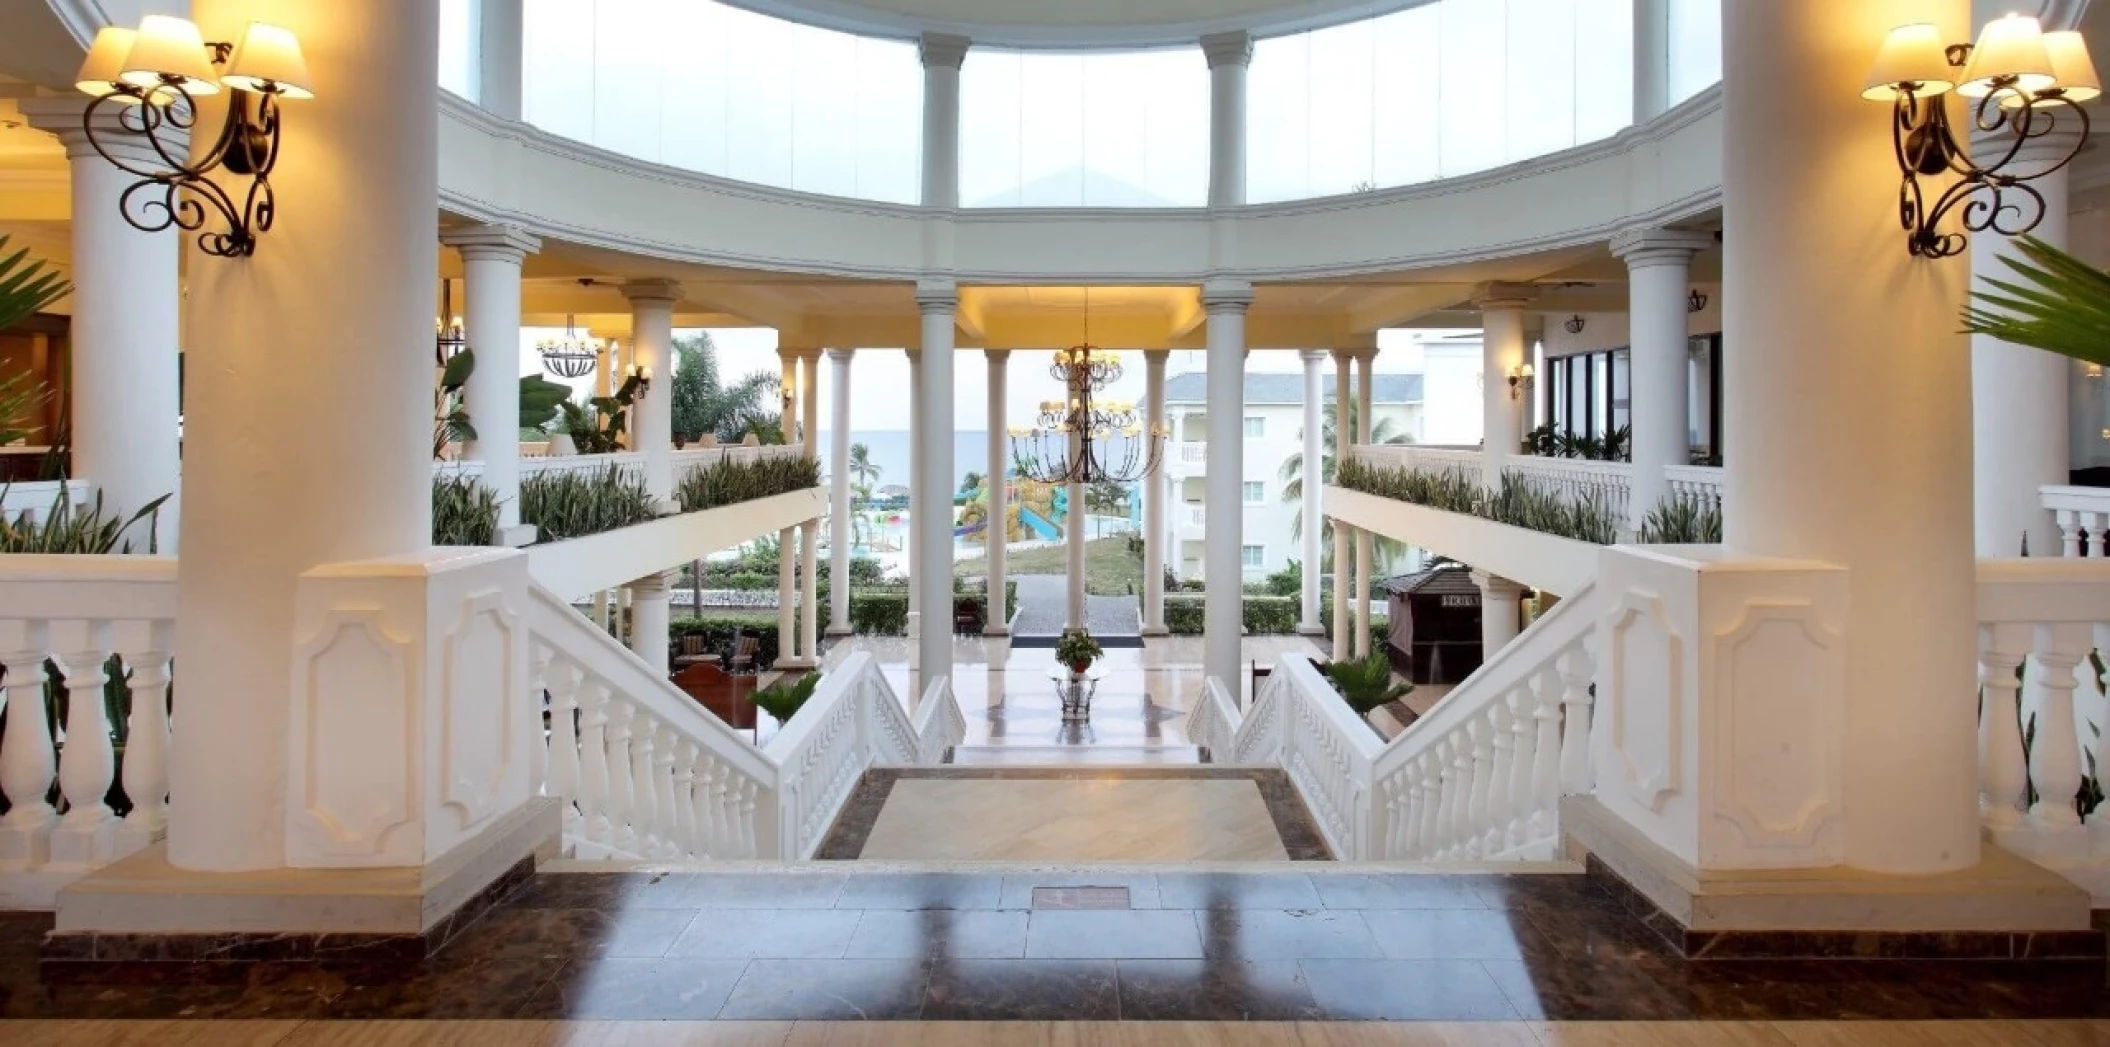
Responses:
[1072,23]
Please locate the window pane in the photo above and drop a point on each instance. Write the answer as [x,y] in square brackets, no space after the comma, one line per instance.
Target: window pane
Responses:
[1046,129]
[458,50]
[1695,47]
[1255,428]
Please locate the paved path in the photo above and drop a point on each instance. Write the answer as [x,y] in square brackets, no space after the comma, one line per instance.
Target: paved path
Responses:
[1043,604]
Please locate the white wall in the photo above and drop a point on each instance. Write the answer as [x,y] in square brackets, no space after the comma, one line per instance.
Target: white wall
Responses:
[1450,389]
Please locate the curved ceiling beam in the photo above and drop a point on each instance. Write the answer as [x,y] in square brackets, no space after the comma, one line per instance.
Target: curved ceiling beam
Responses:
[1073,24]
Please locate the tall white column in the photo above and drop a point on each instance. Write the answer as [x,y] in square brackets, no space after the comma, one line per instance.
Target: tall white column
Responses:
[1155,495]
[1651,59]
[1502,351]
[1343,534]
[933,519]
[648,620]
[997,539]
[297,459]
[840,533]
[1223,615]
[1073,545]
[788,538]
[652,348]
[491,259]
[942,54]
[2019,395]
[1501,607]
[917,433]
[499,33]
[1365,541]
[124,335]
[1314,482]
[810,531]
[1229,55]
[1830,450]
[1659,273]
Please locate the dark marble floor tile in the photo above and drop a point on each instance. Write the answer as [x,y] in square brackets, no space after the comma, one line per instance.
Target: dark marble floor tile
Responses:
[1215,990]
[1285,934]
[1022,990]
[1236,891]
[779,890]
[1531,890]
[1557,989]
[939,933]
[1590,935]
[1093,935]
[1406,990]
[569,934]
[828,990]
[1396,891]
[745,934]
[922,891]
[639,990]
[1456,934]
[1018,888]
[492,989]
[22,934]
[607,891]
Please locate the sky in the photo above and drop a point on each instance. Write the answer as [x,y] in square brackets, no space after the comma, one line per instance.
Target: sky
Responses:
[880,377]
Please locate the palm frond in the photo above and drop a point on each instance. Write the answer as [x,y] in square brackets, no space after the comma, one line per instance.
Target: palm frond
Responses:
[2060,304]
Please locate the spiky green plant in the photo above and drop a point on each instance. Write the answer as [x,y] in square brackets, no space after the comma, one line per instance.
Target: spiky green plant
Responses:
[87,529]
[1682,520]
[783,700]
[2061,304]
[575,504]
[1366,683]
[730,481]
[464,511]
[26,286]
[450,410]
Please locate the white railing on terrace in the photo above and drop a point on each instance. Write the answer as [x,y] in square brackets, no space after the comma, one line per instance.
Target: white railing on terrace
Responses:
[36,498]
[1610,484]
[1700,484]
[1479,777]
[2083,514]
[1197,516]
[76,612]
[632,463]
[1194,453]
[1426,457]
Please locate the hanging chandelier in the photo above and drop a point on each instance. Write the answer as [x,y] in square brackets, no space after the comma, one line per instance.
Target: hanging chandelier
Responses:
[1081,438]
[570,356]
[451,338]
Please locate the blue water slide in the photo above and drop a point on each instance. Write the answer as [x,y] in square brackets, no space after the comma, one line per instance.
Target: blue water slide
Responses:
[1038,524]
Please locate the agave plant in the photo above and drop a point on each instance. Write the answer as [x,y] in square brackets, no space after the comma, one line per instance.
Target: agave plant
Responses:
[85,530]
[783,700]
[1366,683]
[1682,520]
[728,482]
[2061,304]
[464,511]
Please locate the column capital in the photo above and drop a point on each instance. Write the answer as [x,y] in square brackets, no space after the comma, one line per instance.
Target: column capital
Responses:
[1156,356]
[1226,296]
[1491,297]
[997,357]
[498,243]
[942,50]
[1232,48]
[1313,357]
[654,584]
[1646,247]
[841,356]
[937,296]
[651,292]
[65,118]
[1496,587]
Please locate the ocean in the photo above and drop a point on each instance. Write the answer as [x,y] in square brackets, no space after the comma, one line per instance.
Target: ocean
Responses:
[890,452]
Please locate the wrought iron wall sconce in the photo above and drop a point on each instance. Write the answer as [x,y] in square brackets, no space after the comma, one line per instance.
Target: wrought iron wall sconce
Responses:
[1519,375]
[1575,324]
[451,337]
[1696,301]
[2021,83]
[639,380]
[154,77]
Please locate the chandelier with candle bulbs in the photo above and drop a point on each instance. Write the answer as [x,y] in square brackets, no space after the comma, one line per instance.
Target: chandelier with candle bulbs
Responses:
[1084,439]
[570,356]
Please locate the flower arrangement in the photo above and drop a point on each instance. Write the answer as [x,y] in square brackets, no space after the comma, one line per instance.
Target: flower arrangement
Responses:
[1077,650]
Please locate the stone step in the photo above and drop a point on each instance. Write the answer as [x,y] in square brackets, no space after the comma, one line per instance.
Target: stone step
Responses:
[1076,755]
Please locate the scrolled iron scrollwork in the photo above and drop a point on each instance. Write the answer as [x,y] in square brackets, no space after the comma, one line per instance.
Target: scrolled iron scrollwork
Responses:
[1994,196]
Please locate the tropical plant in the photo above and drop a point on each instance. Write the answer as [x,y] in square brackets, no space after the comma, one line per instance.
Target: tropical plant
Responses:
[464,511]
[1682,520]
[863,468]
[2060,304]
[1366,683]
[1519,501]
[1107,497]
[27,285]
[450,409]
[66,528]
[573,504]
[539,398]
[783,699]
[701,403]
[729,481]
[1077,649]
[1547,441]
[1292,476]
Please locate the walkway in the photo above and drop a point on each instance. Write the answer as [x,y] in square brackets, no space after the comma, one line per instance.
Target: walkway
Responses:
[1043,607]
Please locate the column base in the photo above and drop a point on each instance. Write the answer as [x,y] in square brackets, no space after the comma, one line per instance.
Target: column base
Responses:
[142,908]
[1311,630]
[996,630]
[839,631]
[786,664]
[1155,630]
[517,536]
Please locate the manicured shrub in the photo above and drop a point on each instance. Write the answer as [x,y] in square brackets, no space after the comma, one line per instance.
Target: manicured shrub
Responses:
[464,511]
[1263,615]
[574,504]
[730,481]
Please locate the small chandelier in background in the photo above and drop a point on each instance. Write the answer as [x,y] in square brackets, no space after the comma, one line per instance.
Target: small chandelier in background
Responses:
[570,356]
[1575,324]
[1696,301]
[451,339]
[1082,439]
[2023,85]
[154,76]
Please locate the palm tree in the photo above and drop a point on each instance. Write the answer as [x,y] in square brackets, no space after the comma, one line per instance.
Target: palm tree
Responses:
[2067,311]
[703,404]
[24,289]
[971,481]
[1292,476]
[863,468]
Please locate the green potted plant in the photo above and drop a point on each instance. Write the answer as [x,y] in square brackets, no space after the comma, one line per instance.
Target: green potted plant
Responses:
[783,698]
[1077,650]
[1365,683]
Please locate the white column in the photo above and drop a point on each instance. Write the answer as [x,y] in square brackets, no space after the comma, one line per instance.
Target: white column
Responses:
[1651,59]
[491,259]
[1223,620]
[1659,274]
[124,335]
[652,348]
[2019,396]
[1501,606]
[499,32]
[1343,534]
[917,433]
[339,431]
[933,518]
[1365,541]
[1314,481]
[997,538]
[942,54]
[648,620]
[788,538]
[1073,545]
[1502,350]
[1229,55]
[840,533]
[1154,497]
[1830,450]
[810,536]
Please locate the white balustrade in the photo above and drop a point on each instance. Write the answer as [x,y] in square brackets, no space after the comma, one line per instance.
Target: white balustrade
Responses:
[1610,484]
[76,613]
[1214,723]
[1697,484]
[1197,516]
[2083,515]
[35,500]
[1194,453]
[939,723]
[1424,457]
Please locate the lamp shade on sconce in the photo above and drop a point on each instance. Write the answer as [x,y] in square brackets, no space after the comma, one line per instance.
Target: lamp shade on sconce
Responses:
[2071,63]
[268,60]
[101,73]
[2010,49]
[1912,58]
[169,51]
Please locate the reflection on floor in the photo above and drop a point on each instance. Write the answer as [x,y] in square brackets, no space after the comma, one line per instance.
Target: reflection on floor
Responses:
[1145,820]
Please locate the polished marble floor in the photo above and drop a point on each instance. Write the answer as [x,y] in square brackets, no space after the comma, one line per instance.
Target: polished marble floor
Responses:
[816,944]
[1078,820]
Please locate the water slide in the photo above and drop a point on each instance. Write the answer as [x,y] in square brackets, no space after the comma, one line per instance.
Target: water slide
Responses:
[976,527]
[1038,524]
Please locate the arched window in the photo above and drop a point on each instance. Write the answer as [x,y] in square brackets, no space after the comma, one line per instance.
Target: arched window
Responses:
[458,50]
[1058,129]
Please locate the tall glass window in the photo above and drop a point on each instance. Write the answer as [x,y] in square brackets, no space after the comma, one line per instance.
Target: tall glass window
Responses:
[1050,129]
[1438,90]
[458,47]
[1695,47]
[712,88]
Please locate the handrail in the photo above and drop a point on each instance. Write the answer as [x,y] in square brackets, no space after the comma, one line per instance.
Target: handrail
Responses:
[938,723]
[853,721]
[1330,754]
[1214,723]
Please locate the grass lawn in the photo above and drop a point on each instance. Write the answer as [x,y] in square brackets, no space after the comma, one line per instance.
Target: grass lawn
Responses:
[1109,568]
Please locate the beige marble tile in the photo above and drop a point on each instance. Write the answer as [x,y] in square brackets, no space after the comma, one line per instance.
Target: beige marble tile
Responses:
[1415,1034]
[2078,1033]
[1169,819]
[1174,1034]
[1912,1034]
[424,1034]
[124,1033]
[669,1034]
[1657,1034]
[922,1034]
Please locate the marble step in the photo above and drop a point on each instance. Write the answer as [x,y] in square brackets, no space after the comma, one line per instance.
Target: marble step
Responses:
[1076,755]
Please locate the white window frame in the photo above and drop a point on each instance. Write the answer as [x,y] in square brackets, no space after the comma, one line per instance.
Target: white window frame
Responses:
[1254,427]
[1261,560]
[1245,491]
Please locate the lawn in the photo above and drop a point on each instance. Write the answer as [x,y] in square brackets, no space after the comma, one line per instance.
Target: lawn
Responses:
[1109,568]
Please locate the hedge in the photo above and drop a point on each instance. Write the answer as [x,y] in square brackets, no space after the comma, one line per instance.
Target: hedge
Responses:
[884,612]
[718,629]
[1263,615]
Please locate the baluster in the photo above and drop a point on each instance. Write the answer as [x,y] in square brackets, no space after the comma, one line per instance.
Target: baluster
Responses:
[1460,787]
[593,762]
[1575,669]
[1523,721]
[2054,752]
[539,716]
[1480,758]
[87,763]
[644,793]
[717,828]
[744,844]
[28,757]
[2069,533]
[146,769]
[2003,777]
[1400,789]
[1495,821]
[2094,521]
[688,839]
[663,760]
[1429,796]
[562,679]
[1546,763]
[622,831]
